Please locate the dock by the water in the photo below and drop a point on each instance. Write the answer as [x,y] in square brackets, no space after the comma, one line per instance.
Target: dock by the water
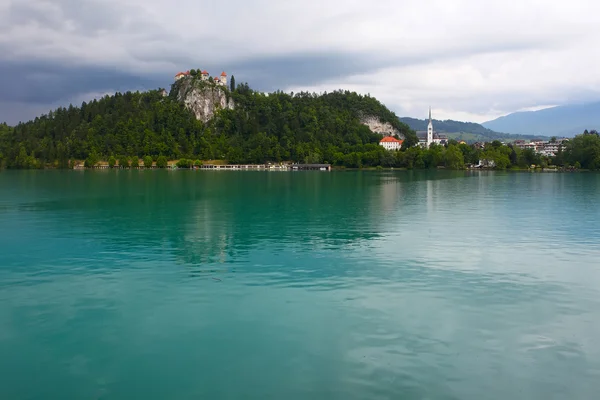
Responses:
[282,167]
[232,167]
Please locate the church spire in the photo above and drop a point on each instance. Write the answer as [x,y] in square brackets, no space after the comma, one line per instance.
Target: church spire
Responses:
[429,113]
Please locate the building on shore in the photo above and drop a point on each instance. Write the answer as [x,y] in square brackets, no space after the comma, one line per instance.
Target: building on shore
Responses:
[426,138]
[545,148]
[391,143]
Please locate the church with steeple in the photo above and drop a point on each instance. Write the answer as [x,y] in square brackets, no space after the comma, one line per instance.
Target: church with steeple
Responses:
[426,138]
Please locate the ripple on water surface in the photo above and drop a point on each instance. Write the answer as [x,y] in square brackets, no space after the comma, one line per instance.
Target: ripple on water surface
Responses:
[453,285]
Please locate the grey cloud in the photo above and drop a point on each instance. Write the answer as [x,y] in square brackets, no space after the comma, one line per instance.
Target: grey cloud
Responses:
[45,83]
[142,44]
[87,17]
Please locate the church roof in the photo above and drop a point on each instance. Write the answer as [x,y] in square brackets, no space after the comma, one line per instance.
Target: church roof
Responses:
[223,73]
[204,72]
[423,135]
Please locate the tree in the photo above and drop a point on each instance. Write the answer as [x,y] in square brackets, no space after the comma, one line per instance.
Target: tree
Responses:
[112,161]
[232,83]
[148,162]
[135,162]
[198,163]
[91,160]
[161,162]
[584,149]
[184,163]
[454,158]
[553,139]
[123,162]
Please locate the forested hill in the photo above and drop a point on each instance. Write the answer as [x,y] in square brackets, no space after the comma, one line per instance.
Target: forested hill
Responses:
[468,131]
[302,127]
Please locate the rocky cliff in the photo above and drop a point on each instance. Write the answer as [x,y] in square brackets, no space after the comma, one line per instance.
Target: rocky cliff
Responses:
[204,99]
[383,128]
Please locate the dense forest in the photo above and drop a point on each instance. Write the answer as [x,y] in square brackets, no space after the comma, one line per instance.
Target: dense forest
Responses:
[301,127]
[275,127]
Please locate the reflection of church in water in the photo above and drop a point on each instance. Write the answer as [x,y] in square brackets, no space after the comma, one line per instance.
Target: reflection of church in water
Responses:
[426,138]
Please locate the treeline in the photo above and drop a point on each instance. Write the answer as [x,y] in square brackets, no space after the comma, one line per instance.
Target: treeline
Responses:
[301,127]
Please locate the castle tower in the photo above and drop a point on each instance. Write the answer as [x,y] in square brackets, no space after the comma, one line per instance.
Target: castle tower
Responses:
[223,78]
[429,130]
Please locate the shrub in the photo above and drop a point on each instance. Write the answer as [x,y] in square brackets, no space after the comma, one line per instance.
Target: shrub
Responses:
[135,162]
[112,161]
[161,162]
[91,160]
[124,162]
[148,162]
[184,163]
[198,163]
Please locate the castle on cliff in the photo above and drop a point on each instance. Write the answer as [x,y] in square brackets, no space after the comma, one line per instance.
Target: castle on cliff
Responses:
[204,75]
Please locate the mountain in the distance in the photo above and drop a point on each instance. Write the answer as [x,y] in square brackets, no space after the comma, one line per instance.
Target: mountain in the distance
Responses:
[467,131]
[566,121]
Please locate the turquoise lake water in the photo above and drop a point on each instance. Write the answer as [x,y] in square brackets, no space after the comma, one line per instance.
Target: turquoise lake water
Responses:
[299,285]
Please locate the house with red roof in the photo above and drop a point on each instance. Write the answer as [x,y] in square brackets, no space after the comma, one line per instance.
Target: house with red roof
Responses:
[391,143]
[180,75]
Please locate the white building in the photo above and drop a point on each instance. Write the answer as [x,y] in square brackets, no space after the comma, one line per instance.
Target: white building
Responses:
[223,78]
[429,130]
[426,138]
[391,143]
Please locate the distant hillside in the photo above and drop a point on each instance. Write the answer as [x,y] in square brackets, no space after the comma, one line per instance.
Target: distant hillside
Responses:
[467,131]
[556,121]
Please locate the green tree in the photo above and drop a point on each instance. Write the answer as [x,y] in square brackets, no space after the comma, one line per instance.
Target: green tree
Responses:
[584,149]
[161,162]
[148,162]
[198,163]
[123,161]
[454,158]
[232,83]
[91,160]
[112,161]
[184,163]
[135,162]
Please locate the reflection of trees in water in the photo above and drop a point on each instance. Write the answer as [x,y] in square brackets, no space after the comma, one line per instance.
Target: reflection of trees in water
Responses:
[302,211]
[218,217]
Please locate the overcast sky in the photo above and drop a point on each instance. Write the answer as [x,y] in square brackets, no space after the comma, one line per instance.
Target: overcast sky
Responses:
[469,59]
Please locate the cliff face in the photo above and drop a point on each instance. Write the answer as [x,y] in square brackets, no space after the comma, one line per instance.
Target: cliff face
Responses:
[383,128]
[204,99]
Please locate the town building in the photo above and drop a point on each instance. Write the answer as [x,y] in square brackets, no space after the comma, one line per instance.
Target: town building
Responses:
[391,143]
[545,148]
[426,138]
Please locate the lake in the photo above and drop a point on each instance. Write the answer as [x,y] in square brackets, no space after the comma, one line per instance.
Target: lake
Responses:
[299,285]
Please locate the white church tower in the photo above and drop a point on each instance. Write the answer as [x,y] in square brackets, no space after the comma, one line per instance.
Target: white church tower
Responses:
[429,130]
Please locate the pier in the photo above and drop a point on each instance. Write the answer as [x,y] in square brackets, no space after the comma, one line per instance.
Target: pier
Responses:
[230,167]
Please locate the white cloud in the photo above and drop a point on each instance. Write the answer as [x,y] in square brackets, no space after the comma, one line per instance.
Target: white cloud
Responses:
[468,59]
